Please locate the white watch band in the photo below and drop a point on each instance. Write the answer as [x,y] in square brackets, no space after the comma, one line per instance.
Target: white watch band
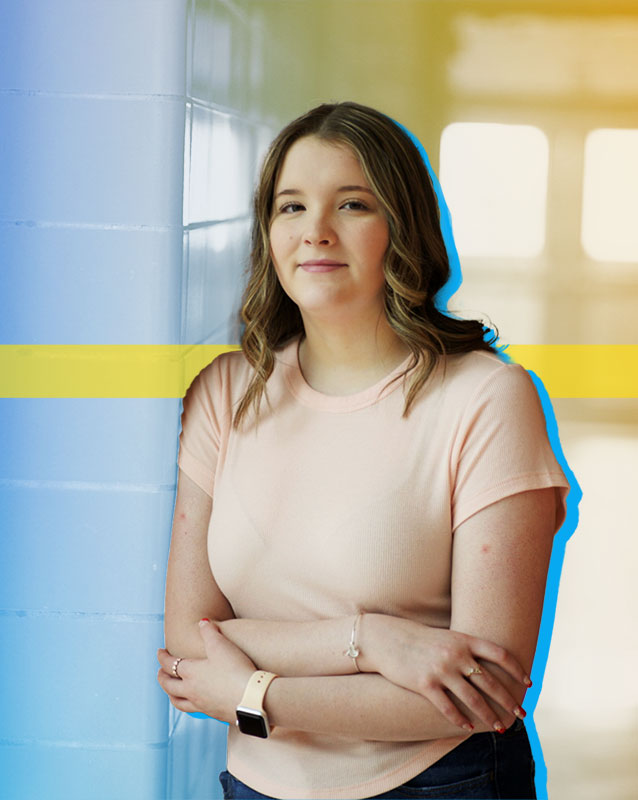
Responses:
[256,688]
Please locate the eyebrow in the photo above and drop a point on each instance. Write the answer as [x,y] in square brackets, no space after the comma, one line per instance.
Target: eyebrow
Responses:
[352,188]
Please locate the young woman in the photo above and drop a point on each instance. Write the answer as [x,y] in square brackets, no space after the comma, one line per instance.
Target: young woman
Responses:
[366,500]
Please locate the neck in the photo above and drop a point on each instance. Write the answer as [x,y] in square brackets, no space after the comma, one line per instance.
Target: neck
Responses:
[344,359]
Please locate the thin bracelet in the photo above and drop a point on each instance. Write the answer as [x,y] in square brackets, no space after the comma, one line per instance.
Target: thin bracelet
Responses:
[353,651]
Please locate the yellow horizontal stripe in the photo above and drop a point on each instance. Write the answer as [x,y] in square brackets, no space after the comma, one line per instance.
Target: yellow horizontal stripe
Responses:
[582,370]
[115,370]
[167,370]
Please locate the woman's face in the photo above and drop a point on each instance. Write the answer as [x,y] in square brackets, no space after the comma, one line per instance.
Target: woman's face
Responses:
[328,233]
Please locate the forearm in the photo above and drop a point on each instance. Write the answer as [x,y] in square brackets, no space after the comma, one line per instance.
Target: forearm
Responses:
[393,700]
[362,707]
[320,692]
[298,649]
[317,648]
[183,610]
[181,634]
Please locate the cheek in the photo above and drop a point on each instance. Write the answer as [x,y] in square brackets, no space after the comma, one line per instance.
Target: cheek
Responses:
[378,242]
[280,242]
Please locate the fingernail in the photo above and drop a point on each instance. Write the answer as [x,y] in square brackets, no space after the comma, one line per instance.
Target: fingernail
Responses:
[520,712]
[204,621]
[468,727]
[499,727]
[527,681]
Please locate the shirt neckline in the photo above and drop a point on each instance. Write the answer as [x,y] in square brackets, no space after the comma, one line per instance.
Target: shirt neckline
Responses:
[289,359]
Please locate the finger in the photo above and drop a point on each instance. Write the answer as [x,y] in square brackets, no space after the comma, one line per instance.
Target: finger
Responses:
[182,704]
[477,704]
[493,688]
[167,661]
[210,633]
[207,627]
[174,687]
[450,711]
[490,651]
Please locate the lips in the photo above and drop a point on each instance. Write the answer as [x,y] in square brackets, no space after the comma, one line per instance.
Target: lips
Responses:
[322,265]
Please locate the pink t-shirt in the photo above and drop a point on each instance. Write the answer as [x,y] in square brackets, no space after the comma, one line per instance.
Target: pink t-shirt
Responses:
[335,504]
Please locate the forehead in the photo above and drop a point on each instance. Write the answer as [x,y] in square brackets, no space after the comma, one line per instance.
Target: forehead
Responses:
[315,160]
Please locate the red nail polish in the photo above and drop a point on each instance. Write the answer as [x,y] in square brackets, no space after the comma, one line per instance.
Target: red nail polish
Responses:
[499,727]
[204,619]
[527,681]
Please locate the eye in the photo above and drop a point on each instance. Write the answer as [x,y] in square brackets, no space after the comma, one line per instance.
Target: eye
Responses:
[290,208]
[355,205]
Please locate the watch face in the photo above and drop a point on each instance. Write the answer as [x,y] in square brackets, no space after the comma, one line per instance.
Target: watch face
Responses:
[252,723]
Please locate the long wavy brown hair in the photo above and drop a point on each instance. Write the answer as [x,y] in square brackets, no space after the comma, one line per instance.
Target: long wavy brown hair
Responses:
[416,262]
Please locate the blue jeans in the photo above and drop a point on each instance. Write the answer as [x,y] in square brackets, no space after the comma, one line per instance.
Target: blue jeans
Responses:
[487,766]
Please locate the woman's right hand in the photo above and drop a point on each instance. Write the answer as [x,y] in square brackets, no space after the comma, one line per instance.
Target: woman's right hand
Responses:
[442,665]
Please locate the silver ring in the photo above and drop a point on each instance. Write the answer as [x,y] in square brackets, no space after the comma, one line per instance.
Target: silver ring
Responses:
[175,665]
[474,671]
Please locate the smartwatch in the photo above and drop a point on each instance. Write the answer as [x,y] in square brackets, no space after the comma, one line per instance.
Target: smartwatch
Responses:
[251,717]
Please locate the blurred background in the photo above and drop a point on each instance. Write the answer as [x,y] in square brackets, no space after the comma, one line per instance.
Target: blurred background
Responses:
[130,134]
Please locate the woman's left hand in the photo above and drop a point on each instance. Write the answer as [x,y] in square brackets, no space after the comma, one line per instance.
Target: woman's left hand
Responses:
[213,685]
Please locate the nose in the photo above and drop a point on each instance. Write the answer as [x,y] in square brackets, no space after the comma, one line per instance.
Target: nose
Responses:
[319,230]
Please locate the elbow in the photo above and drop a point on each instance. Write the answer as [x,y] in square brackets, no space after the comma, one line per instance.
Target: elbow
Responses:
[182,638]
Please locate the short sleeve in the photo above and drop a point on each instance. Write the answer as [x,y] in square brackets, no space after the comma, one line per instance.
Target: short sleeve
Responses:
[502,447]
[199,441]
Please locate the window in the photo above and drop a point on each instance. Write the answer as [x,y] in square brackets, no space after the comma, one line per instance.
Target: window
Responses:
[609,229]
[494,179]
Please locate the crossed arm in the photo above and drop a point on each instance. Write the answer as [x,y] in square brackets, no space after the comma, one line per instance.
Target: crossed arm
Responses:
[414,685]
